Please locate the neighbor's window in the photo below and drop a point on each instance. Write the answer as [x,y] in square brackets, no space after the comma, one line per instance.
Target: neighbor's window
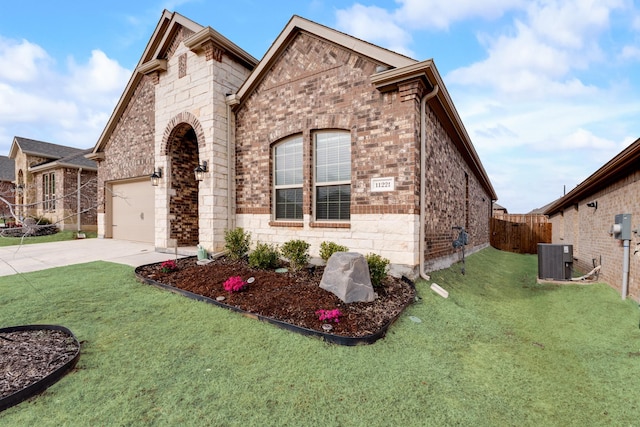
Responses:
[287,176]
[49,191]
[333,176]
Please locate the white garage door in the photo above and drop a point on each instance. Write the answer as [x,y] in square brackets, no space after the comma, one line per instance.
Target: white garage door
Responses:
[133,211]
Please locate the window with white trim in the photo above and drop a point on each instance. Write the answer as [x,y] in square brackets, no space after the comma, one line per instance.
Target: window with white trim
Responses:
[332,178]
[287,177]
[49,191]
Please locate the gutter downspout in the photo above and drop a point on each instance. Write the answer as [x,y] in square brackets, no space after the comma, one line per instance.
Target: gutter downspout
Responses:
[423,174]
[625,269]
[78,200]
[230,178]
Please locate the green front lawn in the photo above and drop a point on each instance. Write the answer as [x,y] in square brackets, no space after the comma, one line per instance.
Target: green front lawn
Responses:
[501,350]
[58,237]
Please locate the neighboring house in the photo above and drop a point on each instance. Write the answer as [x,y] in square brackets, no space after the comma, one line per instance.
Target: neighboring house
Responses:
[499,210]
[55,182]
[327,138]
[584,218]
[7,187]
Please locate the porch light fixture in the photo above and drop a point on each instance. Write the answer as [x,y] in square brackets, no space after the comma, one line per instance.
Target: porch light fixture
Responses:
[155,177]
[200,171]
[19,188]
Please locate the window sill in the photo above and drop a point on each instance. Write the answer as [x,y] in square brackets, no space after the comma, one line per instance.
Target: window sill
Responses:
[298,224]
[330,225]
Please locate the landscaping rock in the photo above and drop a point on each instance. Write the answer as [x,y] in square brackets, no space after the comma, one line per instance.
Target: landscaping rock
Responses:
[347,276]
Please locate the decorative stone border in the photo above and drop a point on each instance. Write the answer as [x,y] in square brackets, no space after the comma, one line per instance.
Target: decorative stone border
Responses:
[42,384]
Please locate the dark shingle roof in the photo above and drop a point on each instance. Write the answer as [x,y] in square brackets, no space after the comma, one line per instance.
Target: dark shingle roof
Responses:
[7,169]
[45,149]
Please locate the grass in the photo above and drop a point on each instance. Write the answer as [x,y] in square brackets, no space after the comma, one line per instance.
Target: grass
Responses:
[501,350]
[58,237]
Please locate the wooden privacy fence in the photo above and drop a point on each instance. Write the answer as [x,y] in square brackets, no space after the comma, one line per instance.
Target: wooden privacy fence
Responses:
[520,233]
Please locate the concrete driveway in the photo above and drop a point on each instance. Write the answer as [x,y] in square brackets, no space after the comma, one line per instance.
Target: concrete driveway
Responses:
[40,256]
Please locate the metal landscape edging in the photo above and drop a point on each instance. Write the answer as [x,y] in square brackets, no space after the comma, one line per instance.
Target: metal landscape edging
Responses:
[45,382]
[331,338]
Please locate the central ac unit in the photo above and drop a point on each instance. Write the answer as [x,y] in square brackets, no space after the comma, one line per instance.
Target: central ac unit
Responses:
[555,262]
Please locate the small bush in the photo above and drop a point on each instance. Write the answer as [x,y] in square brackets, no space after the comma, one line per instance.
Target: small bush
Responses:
[237,242]
[329,248]
[377,268]
[169,266]
[297,252]
[264,256]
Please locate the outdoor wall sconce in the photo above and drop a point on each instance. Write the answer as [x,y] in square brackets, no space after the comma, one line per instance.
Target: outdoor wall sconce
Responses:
[155,177]
[593,204]
[19,189]
[200,171]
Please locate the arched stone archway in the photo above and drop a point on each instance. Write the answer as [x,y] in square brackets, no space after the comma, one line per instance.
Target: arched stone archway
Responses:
[182,149]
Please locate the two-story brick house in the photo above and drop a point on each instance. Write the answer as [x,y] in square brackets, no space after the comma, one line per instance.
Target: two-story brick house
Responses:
[327,138]
[55,182]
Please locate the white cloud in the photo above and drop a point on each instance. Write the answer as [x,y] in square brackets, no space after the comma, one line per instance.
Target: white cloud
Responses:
[439,15]
[630,52]
[69,106]
[21,61]
[375,25]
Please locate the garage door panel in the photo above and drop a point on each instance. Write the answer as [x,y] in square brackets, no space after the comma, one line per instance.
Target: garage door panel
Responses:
[133,211]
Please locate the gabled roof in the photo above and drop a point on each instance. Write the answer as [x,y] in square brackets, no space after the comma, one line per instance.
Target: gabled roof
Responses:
[154,59]
[7,169]
[33,147]
[298,24]
[74,161]
[397,68]
[626,162]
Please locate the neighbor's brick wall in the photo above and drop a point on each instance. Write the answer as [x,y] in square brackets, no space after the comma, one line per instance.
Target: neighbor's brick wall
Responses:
[587,229]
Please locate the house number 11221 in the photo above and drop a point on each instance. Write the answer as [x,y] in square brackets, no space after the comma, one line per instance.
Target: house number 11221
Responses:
[382,184]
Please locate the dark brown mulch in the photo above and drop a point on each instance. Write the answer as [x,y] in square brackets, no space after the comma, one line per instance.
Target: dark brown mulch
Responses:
[292,297]
[26,357]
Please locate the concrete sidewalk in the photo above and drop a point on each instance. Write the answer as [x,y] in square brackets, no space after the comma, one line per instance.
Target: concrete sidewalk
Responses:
[40,256]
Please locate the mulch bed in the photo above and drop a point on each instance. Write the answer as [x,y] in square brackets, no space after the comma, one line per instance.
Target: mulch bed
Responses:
[292,297]
[28,356]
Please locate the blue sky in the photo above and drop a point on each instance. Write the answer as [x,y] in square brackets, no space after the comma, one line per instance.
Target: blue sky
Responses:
[548,90]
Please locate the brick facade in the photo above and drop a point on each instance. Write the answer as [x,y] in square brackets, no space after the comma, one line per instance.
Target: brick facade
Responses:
[316,85]
[587,229]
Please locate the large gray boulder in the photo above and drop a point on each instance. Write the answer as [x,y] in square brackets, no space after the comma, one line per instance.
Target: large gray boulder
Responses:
[347,276]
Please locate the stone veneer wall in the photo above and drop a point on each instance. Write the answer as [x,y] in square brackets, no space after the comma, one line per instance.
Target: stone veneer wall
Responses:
[316,85]
[587,229]
[193,91]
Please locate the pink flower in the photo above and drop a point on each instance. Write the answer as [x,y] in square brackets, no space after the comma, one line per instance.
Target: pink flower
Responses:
[329,315]
[169,266]
[234,284]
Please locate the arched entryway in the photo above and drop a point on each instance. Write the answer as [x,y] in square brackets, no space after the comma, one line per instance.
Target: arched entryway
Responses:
[182,150]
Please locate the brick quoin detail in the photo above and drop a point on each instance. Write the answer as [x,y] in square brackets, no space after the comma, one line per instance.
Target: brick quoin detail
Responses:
[212,51]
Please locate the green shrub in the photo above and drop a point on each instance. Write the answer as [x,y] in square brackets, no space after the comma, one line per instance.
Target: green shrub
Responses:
[329,248]
[377,268]
[237,242]
[264,256]
[297,252]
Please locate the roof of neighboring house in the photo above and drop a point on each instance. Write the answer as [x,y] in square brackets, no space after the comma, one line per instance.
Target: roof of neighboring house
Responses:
[75,161]
[153,59]
[625,162]
[33,147]
[7,169]
[497,207]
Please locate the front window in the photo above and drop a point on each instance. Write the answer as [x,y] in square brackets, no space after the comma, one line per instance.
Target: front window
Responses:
[49,191]
[333,176]
[288,179]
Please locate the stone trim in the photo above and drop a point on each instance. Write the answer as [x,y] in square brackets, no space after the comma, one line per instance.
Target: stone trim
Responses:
[330,225]
[184,117]
[297,224]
